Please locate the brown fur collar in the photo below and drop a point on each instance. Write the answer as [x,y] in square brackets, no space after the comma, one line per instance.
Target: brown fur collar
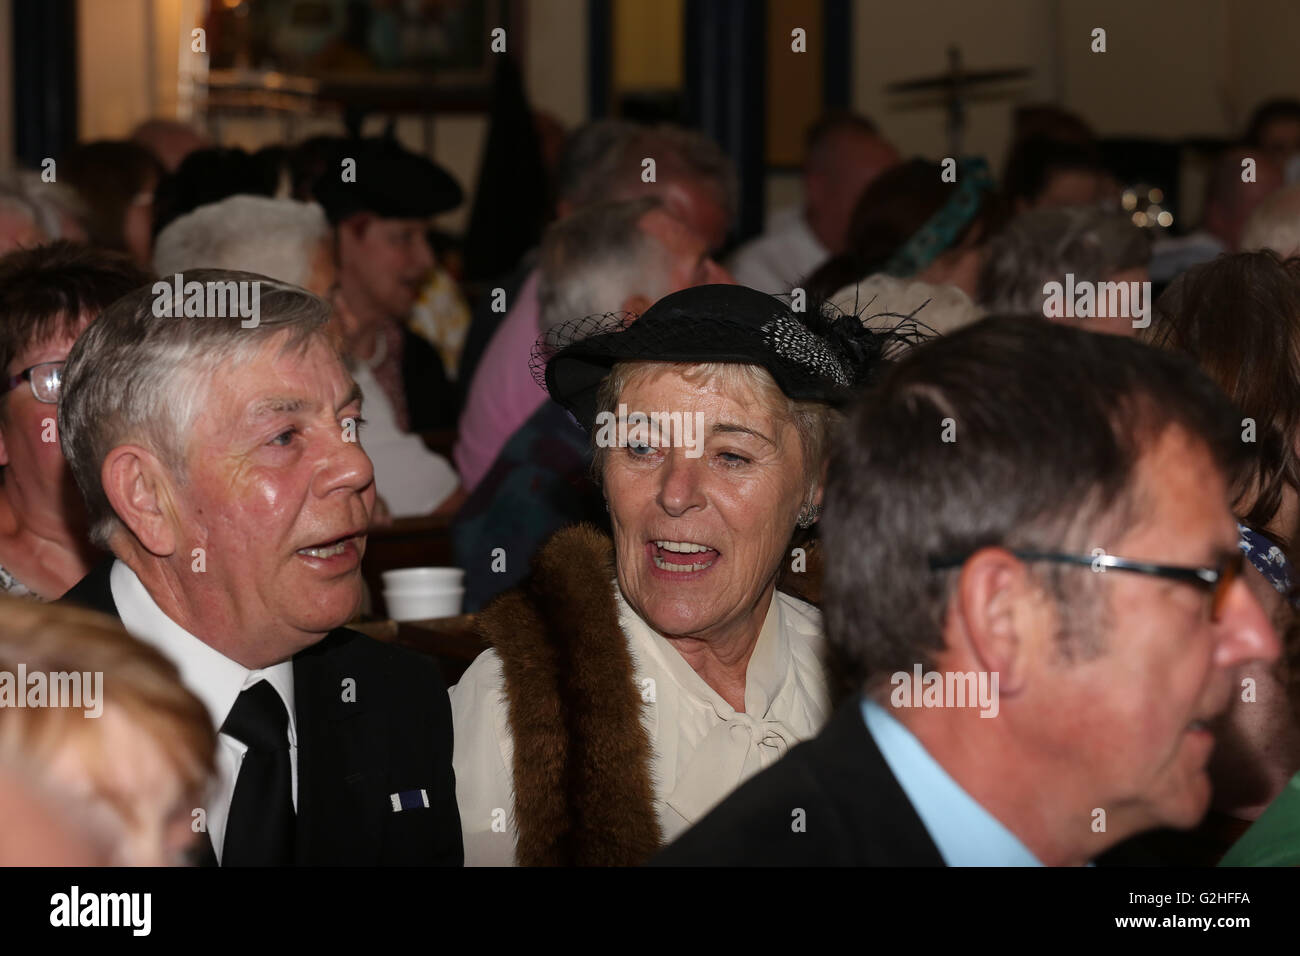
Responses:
[583,795]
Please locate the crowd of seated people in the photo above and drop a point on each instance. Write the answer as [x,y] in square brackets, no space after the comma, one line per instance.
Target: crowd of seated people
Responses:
[849,547]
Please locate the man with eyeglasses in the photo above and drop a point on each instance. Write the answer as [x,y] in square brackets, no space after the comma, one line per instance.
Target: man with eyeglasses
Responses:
[1050,506]
[48,294]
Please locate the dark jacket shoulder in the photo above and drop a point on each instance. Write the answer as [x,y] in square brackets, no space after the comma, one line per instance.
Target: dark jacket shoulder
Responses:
[831,801]
[432,400]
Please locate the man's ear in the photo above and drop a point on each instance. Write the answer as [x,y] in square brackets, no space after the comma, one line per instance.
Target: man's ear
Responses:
[139,489]
[1001,615]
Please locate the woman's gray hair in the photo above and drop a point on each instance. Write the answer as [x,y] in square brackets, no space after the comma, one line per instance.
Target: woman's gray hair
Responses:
[135,377]
[1042,245]
[595,259]
[275,237]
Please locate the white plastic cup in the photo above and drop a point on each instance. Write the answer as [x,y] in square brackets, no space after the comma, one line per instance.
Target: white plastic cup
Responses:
[423,579]
[417,591]
[423,606]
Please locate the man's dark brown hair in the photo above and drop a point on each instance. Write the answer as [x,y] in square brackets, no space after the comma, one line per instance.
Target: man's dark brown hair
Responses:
[1012,432]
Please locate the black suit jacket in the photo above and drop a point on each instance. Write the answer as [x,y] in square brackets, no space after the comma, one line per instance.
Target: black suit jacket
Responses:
[432,401]
[353,756]
[854,811]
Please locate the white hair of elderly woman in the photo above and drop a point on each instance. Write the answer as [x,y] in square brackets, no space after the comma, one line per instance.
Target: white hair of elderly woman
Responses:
[273,237]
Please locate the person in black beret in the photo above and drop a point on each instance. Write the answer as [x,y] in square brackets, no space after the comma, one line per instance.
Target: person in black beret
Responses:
[379,197]
[633,683]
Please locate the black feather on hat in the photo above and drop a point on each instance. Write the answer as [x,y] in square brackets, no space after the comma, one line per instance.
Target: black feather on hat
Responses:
[820,355]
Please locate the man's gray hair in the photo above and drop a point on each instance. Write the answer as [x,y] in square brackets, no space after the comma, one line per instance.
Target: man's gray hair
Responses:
[596,259]
[1042,245]
[136,378]
[1275,224]
[603,161]
[275,237]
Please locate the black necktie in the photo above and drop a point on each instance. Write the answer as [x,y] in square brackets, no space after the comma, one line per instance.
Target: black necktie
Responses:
[259,830]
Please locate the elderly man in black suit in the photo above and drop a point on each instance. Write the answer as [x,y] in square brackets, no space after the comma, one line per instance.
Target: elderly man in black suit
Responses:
[212,429]
[1032,560]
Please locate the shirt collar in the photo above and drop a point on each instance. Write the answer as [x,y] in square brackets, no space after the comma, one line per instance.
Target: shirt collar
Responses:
[212,677]
[963,831]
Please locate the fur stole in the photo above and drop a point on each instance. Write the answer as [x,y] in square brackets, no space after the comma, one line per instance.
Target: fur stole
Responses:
[583,795]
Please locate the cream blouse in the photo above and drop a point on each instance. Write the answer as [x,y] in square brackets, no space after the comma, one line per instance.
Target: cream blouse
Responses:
[702,749]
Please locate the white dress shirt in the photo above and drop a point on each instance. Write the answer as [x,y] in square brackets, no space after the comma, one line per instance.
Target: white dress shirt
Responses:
[702,748]
[782,257]
[410,478]
[212,677]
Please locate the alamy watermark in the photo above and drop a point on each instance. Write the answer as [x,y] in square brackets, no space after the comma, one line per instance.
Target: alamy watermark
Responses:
[653,429]
[132,911]
[1100,300]
[77,689]
[949,689]
[208,300]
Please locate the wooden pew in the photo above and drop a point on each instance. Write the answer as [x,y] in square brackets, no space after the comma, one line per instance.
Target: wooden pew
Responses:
[451,641]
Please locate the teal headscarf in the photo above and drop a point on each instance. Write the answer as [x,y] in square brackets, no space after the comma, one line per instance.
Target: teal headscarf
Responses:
[939,231]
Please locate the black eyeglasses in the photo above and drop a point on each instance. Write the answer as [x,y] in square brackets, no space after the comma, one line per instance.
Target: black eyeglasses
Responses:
[1216,580]
[45,378]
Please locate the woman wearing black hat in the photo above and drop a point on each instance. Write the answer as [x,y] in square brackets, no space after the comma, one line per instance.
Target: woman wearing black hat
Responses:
[634,683]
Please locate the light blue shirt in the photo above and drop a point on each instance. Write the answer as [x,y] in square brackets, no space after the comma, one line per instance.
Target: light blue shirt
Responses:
[965,833]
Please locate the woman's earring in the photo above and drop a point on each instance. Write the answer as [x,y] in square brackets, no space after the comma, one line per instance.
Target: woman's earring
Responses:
[808,515]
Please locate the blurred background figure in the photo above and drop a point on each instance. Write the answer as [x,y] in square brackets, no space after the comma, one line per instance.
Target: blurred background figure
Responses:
[1044,245]
[1238,317]
[170,141]
[211,174]
[292,241]
[1275,224]
[280,238]
[116,182]
[33,211]
[1274,128]
[1230,201]
[603,162]
[1043,172]
[384,262]
[134,774]
[911,224]
[844,154]
[48,295]
[19,220]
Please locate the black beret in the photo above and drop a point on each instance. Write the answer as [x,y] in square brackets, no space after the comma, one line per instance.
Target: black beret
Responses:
[391,182]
